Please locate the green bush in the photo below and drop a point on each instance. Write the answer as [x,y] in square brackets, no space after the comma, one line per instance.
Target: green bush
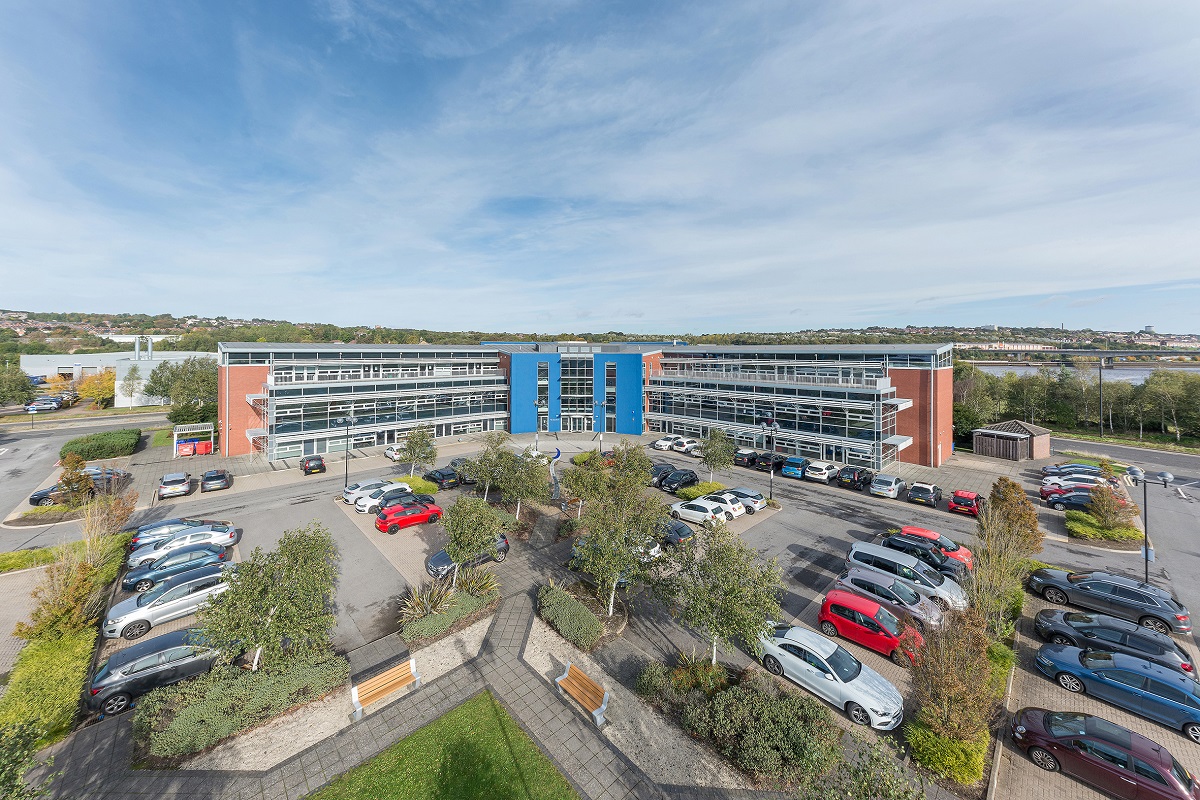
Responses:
[699,490]
[960,761]
[572,619]
[435,597]
[579,459]
[110,444]
[1083,525]
[24,559]
[419,485]
[1014,602]
[508,520]
[463,605]
[46,682]
[568,526]
[478,581]
[698,673]
[187,717]
[45,511]
[1002,659]
[651,680]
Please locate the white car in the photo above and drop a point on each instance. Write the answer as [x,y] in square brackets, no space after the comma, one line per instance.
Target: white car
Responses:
[371,502]
[887,486]
[685,445]
[1088,481]
[666,442]
[354,491]
[393,453]
[727,501]
[226,535]
[821,472]
[829,671]
[751,500]
[699,511]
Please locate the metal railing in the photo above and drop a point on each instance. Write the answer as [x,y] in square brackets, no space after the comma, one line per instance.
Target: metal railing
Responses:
[775,377]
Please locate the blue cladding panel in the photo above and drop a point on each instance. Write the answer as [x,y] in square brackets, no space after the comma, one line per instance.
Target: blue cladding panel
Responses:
[523,392]
[629,391]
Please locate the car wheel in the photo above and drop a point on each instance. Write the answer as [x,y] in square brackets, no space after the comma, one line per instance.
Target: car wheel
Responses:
[1069,682]
[1192,731]
[115,704]
[899,658]
[433,518]
[45,501]
[729,516]
[829,629]
[373,510]
[503,554]
[1043,759]
[773,666]
[143,585]
[675,515]
[136,630]
[750,510]
[1155,624]
[392,529]
[1056,596]
[1058,638]
[941,603]
[1058,507]
[857,714]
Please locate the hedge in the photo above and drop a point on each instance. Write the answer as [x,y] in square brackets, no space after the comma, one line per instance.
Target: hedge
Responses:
[434,625]
[960,761]
[110,444]
[1082,525]
[579,459]
[419,485]
[699,490]
[574,621]
[46,682]
[188,717]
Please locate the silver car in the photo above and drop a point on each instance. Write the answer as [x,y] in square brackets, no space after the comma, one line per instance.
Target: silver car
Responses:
[176,484]
[371,503]
[356,490]
[175,597]
[912,572]
[892,594]
[225,535]
[887,486]
[827,669]
[752,500]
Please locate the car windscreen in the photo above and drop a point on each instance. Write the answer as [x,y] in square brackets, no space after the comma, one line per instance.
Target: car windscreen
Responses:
[928,573]
[947,544]
[174,481]
[904,593]
[888,620]
[845,665]
[919,491]
[1065,723]
[152,595]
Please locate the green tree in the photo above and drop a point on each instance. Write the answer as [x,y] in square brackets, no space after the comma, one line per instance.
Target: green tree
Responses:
[488,466]
[279,605]
[418,448]
[161,379]
[129,384]
[1106,508]
[18,755]
[473,527]
[75,485]
[524,478]
[14,385]
[1011,506]
[951,678]
[717,451]
[585,482]
[722,589]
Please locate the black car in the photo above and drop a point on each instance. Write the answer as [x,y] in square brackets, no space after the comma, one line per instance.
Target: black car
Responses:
[925,493]
[215,479]
[1102,632]
[854,477]
[444,478]
[310,465]
[674,532]
[101,482]
[679,479]
[745,458]
[769,462]
[461,467]
[183,559]
[391,500]
[925,550]
[1071,501]
[1070,469]
[660,471]
[439,565]
[161,661]
[1122,597]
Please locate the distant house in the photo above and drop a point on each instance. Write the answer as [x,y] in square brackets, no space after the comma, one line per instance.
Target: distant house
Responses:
[1013,441]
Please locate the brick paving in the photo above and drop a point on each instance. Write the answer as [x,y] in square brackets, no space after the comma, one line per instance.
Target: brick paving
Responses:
[15,588]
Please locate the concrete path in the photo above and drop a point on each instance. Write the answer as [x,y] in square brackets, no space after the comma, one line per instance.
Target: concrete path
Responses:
[15,588]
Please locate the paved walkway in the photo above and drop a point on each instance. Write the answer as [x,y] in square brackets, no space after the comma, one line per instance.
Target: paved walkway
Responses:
[16,589]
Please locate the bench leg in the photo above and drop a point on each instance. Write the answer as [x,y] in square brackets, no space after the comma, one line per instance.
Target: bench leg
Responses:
[560,678]
[358,709]
[598,714]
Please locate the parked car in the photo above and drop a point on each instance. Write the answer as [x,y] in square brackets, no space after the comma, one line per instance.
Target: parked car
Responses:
[969,503]
[829,671]
[1102,632]
[752,500]
[666,442]
[887,486]
[868,623]
[175,597]
[854,477]
[439,565]
[362,488]
[1076,480]
[215,480]
[1070,501]
[769,462]
[744,457]
[52,494]
[821,472]
[1070,469]
[1134,684]
[372,502]
[461,467]
[948,546]
[404,499]
[143,579]
[393,453]
[679,479]
[698,511]
[660,471]
[166,528]
[42,405]
[913,572]
[685,445]
[444,478]
[1096,751]
[165,659]
[892,594]
[224,535]
[646,553]
[925,494]
[674,532]
[391,520]
[730,503]
[928,552]
[1118,596]
[794,467]
[312,465]
[175,484]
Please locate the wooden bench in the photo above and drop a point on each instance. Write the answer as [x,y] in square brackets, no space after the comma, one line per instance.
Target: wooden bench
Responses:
[586,692]
[385,683]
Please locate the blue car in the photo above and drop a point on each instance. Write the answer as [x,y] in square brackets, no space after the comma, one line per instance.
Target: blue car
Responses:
[176,561]
[795,466]
[1134,684]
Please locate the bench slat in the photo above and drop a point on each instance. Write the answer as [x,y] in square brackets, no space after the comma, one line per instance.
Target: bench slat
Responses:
[394,674]
[385,683]
[585,691]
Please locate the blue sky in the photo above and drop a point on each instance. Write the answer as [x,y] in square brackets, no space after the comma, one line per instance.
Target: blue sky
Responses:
[550,166]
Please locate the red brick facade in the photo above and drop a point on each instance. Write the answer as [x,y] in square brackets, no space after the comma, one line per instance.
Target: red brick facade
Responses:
[930,420]
[236,415]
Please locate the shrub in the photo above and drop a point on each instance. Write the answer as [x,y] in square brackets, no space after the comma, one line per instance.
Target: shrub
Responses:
[74,590]
[187,717]
[698,673]
[478,582]
[509,521]
[1083,525]
[1002,659]
[699,490]
[579,459]
[110,444]
[462,605]
[572,619]
[1014,602]
[651,680]
[46,682]
[568,526]
[24,559]
[45,511]
[434,597]
[960,761]
[419,485]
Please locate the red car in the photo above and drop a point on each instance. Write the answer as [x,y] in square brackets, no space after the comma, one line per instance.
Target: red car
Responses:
[393,519]
[869,624]
[949,547]
[965,503]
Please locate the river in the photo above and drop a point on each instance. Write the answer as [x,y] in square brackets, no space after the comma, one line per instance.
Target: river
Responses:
[1130,374]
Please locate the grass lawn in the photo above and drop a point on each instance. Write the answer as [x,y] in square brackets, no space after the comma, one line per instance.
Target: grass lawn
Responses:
[162,437]
[475,752]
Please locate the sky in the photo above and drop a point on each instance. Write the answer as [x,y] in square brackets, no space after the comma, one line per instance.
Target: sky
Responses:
[553,166]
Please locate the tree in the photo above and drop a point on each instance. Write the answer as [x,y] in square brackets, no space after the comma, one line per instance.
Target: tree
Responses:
[18,755]
[418,448]
[160,381]
[1013,510]
[100,388]
[1106,508]
[524,477]
[57,384]
[14,385]
[722,589]
[75,485]
[489,465]
[279,605]
[129,384]
[473,527]
[871,771]
[717,451]
[951,678]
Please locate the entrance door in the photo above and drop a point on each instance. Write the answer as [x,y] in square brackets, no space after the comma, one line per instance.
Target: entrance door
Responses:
[543,422]
[835,453]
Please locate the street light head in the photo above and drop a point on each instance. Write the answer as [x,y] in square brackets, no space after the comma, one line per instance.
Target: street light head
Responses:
[1135,472]
[1165,477]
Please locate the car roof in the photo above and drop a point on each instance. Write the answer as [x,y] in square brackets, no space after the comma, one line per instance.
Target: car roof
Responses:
[745,491]
[921,485]
[879,476]
[885,552]
[966,495]
[1156,671]
[913,530]
[811,640]
[191,548]
[164,641]
[1121,580]
[174,476]
[207,571]
[854,601]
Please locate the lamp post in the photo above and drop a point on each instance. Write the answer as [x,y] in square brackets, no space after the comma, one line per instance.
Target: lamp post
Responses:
[770,428]
[1139,476]
[348,422]
[599,407]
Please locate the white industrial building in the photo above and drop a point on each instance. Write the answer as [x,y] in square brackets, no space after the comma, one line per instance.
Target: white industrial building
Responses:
[76,366]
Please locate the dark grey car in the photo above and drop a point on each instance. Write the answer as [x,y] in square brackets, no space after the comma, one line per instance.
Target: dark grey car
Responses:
[1122,597]
[439,565]
[892,594]
[930,553]
[1102,632]
[161,661]
[185,558]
